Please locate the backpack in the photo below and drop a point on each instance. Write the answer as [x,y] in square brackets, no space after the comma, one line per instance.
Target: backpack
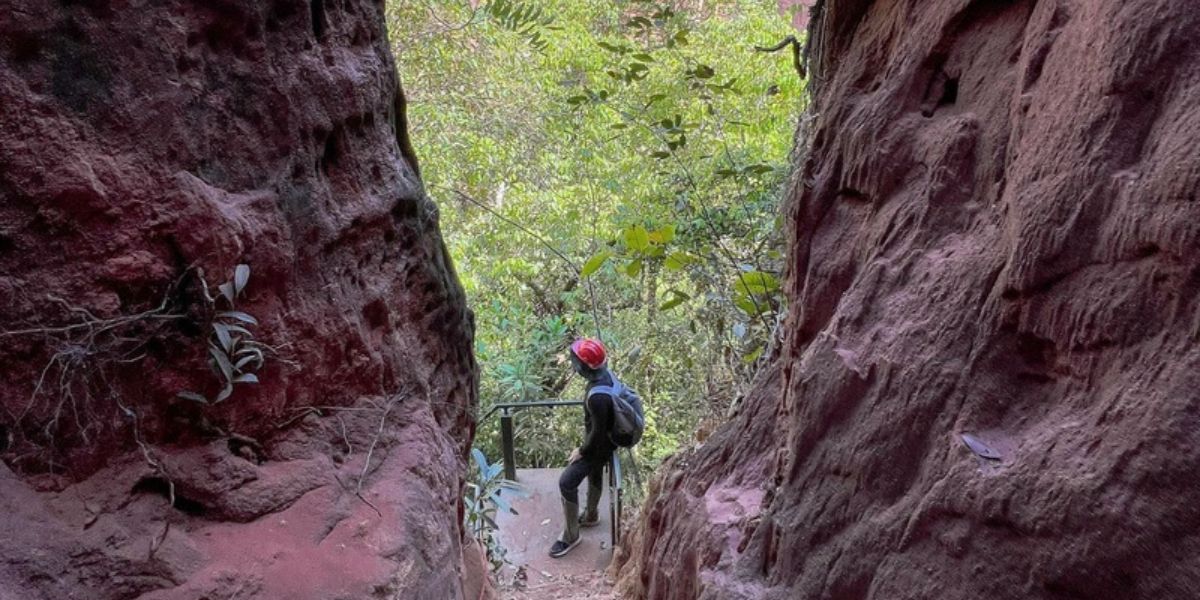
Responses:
[629,420]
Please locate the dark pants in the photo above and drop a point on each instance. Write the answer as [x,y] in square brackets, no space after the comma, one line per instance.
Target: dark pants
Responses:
[575,473]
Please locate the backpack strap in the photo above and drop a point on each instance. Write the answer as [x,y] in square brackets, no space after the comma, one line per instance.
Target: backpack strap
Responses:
[613,390]
[610,390]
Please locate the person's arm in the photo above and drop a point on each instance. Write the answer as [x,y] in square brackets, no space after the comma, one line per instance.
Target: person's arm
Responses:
[600,407]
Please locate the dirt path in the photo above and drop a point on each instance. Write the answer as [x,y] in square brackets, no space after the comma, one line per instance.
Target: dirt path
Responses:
[568,587]
[528,535]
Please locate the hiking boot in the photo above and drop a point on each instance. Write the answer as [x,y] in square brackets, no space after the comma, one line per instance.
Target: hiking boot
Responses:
[570,535]
[589,518]
[561,548]
[591,515]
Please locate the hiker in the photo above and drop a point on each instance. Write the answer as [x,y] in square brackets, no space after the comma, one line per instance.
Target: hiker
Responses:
[587,461]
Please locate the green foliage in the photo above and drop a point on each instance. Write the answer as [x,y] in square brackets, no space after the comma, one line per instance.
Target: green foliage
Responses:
[649,142]
[484,496]
[525,18]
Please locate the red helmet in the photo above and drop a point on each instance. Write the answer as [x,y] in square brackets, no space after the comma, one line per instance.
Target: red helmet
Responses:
[589,352]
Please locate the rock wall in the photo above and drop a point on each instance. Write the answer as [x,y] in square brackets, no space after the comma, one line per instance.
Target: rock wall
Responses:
[145,150]
[994,236]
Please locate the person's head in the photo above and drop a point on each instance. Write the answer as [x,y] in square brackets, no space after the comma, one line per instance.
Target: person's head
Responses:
[588,356]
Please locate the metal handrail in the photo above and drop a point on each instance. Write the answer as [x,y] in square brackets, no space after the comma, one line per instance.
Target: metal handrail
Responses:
[507,440]
[507,443]
[515,406]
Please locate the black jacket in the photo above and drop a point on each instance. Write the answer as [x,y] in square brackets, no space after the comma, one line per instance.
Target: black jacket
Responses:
[598,421]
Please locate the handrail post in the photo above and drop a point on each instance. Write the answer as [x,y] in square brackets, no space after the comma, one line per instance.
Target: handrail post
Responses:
[614,498]
[506,443]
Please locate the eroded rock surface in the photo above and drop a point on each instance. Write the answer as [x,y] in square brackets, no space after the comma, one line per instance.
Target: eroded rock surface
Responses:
[143,142]
[995,233]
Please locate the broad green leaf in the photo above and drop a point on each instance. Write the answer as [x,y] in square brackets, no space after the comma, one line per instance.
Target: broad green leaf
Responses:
[637,238]
[676,261]
[634,267]
[753,355]
[663,235]
[747,305]
[755,283]
[594,263]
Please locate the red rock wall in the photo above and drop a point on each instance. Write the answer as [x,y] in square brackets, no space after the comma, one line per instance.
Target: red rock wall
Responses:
[995,232]
[140,142]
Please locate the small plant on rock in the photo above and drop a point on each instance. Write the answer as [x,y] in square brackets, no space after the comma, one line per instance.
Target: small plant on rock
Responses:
[484,497]
[234,354]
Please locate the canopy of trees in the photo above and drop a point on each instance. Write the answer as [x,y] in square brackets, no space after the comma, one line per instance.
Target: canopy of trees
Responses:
[606,168]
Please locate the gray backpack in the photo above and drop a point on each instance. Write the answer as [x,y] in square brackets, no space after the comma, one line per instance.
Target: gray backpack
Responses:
[629,420]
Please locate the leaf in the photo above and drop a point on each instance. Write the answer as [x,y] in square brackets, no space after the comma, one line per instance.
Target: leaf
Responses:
[637,238]
[642,56]
[502,504]
[663,235]
[980,448]
[703,72]
[480,460]
[225,393]
[245,360]
[753,355]
[221,360]
[676,261]
[594,263]
[241,275]
[677,298]
[238,329]
[747,305]
[756,283]
[239,315]
[227,291]
[611,48]
[246,378]
[634,267]
[222,333]
[193,396]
